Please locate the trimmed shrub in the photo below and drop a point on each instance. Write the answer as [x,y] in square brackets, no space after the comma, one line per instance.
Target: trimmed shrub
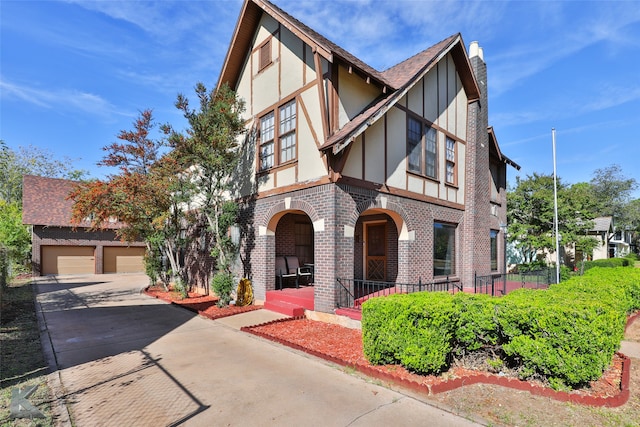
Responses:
[607,263]
[565,336]
[475,326]
[415,330]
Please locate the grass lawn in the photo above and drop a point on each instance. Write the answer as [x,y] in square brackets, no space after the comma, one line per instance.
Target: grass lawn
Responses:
[21,361]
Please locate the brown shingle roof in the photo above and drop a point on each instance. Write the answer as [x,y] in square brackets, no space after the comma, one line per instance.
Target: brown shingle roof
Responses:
[400,74]
[44,202]
[602,223]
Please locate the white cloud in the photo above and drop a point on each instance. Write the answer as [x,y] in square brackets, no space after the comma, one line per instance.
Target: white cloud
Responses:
[61,100]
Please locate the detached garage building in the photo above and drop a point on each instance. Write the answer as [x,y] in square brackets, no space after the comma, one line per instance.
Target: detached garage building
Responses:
[58,248]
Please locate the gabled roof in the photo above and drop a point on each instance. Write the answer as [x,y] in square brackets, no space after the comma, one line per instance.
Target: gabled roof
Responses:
[247,24]
[44,202]
[603,223]
[397,79]
[495,148]
[403,77]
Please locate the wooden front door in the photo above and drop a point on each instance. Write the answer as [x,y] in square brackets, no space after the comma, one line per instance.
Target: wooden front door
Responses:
[376,251]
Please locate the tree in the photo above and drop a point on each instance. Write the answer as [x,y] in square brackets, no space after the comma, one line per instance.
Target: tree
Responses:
[13,166]
[140,196]
[530,213]
[31,160]
[612,190]
[14,236]
[208,153]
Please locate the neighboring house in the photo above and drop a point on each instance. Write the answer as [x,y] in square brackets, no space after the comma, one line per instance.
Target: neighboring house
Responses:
[60,248]
[389,175]
[602,230]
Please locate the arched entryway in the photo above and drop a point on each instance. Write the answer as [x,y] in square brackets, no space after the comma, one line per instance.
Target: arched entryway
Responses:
[290,262]
[294,237]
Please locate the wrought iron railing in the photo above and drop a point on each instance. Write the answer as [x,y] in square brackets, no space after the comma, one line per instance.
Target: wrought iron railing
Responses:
[501,284]
[353,292]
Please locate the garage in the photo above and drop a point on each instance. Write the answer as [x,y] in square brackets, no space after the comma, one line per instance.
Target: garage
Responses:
[68,260]
[118,259]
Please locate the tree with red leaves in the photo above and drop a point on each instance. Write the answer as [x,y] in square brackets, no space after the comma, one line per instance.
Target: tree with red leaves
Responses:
[141,196]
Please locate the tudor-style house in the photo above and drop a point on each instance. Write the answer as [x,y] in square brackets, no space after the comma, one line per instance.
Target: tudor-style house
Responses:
[391,176]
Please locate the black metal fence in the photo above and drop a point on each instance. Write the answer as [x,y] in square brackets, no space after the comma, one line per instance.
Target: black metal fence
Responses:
[353,292]
[501,284]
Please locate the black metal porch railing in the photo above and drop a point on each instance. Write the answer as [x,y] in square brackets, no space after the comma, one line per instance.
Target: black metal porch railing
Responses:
[351,291]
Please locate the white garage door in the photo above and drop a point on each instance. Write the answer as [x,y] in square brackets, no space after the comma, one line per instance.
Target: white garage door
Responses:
[68,260]
[123,260]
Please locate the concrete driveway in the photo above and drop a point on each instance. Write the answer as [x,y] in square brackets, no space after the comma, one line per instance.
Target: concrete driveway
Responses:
[122,358]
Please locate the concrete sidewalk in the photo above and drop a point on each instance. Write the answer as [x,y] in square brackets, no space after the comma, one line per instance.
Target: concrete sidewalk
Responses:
[123,358]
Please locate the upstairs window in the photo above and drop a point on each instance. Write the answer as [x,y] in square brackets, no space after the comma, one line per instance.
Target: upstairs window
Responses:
[288,132]
[414,145]
[451,173]
[421,148]
[266,141]
[264,55]
[278,144]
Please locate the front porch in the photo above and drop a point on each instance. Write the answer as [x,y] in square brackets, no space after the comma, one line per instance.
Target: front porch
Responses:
[290,301]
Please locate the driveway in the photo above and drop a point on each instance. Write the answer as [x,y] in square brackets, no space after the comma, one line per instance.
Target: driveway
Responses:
[122,358]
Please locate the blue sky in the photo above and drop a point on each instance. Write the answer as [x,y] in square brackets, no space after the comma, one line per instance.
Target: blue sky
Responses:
[75,73]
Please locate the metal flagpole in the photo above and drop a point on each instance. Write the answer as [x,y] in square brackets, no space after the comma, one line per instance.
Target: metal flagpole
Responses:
[555,207]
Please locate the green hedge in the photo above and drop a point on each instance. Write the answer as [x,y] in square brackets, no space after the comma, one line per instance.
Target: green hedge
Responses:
[567,334]
[608,263]
[415,330]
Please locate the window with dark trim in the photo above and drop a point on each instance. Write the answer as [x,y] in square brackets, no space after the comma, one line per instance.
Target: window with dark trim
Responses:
[451,173]
[421,148]
[264,54]
[444,249]
[493,234]
[278,144]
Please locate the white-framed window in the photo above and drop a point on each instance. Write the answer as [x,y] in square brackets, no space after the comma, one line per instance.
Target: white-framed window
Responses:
[421,148]
[267,141]
[278,144]
[451,171]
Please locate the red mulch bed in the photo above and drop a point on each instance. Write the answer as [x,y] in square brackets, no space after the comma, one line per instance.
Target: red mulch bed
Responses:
[204,305]
[344,346]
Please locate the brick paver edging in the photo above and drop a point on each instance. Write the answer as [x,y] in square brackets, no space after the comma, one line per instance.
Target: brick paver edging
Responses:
[218,314]
[446,385]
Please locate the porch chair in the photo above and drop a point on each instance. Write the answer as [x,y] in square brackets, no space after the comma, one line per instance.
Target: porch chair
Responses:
[304,271]
[282,272]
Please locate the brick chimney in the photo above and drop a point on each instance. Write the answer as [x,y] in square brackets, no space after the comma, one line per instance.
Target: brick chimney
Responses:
[476,257]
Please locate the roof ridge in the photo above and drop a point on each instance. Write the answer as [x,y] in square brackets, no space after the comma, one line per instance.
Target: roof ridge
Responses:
[422,51]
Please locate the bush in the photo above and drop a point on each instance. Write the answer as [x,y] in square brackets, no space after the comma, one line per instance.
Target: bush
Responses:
[566,336]
[632,256]
[475,326]
[415,330]
[607,263]
[222,284]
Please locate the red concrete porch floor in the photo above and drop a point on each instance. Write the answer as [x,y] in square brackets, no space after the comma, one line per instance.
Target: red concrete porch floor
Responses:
[290,301]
